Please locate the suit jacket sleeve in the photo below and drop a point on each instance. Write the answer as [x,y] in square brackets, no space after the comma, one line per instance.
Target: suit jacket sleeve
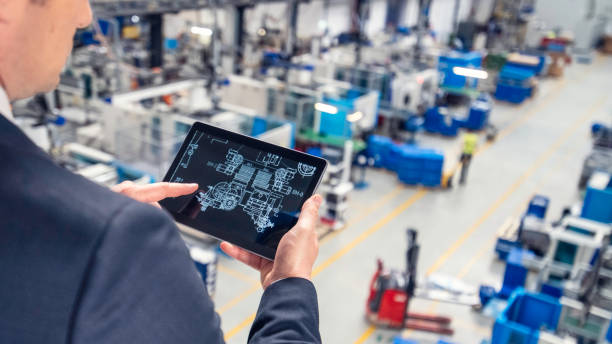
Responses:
[142,286]
[288,313]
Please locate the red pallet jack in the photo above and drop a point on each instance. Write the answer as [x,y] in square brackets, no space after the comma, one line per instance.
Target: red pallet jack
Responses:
[390,294]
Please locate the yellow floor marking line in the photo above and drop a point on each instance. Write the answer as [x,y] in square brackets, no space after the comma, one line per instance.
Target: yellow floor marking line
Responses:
[371,209]
[363,236]
[444,257]
[513,126]
[246,322]
[370,330]
[382,222]
[515,213]
[254,287]
[236,274]
[255,284]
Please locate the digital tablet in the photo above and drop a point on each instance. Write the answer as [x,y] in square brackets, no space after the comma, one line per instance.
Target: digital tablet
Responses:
[250,192]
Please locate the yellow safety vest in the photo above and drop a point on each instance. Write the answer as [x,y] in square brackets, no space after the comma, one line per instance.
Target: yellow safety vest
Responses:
[470,141]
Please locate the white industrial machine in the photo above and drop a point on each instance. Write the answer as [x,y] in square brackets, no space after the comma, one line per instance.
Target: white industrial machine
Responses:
[572,247]
[415,92]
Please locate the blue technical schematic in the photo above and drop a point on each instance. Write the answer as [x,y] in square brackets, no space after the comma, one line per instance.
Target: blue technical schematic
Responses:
[241,185]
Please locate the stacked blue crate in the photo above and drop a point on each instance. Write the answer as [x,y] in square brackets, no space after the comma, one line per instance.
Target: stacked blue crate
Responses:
[479,114]
[378,149]
[413,165]
[420,166]
[450,126]
[394,156]
[436,121]
[433,120]
[514,84]
[410,167]
[432,169]
[452,59]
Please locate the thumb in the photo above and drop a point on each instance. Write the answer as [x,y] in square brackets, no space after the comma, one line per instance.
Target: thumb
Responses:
[310,212]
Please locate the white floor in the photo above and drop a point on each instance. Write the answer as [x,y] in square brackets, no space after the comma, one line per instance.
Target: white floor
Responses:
[540,149]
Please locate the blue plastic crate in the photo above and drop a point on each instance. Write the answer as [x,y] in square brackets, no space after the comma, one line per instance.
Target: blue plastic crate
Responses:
[538,206]
[378,148]
[451,130]
[513,94]
[478,116]
[522,319]
[597,205]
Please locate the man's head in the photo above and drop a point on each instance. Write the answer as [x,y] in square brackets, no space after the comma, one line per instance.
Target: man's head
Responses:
[35,41]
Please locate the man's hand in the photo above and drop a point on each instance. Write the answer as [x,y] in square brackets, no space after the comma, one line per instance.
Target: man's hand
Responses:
[296,251]
[153,193]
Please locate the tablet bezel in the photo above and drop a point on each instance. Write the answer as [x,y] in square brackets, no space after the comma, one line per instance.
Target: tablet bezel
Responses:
[258,249]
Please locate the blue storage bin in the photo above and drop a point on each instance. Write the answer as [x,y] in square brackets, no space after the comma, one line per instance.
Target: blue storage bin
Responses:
[478,116]
[450,130]
[378,148]
[513,94]
[400,340]
[538,206]
[522,319]
[433,120]
[597,205]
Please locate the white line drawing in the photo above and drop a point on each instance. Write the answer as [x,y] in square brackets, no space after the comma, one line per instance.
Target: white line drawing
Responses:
[306,170]
[268,159]
[213,140]
[258,187]
[186,158]
[262,179]
[233,159]
[245,173]
[282,176]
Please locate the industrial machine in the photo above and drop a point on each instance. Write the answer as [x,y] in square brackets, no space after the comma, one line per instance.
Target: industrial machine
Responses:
[600,157]
[391,292]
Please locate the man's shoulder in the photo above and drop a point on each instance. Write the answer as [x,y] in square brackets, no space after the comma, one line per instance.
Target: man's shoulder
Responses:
[37,191]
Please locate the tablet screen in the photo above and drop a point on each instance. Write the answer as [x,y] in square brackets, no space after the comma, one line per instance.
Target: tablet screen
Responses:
[248,194]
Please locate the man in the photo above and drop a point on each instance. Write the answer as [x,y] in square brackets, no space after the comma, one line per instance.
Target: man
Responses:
[470,141]
[82,264]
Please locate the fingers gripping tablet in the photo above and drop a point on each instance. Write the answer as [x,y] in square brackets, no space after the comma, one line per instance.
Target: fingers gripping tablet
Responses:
[250,192]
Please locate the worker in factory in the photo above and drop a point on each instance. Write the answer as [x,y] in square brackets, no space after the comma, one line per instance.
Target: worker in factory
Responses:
[80,263]
[470,142]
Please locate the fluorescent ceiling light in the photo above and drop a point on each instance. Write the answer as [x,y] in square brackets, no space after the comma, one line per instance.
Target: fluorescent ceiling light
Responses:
[471,72]
[354,117]
[202,31]
[330,109]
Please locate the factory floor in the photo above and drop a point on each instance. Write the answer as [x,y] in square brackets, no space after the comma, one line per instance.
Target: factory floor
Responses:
[539,149]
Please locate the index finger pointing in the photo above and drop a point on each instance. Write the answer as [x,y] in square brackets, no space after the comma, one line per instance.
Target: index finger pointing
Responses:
[158,191]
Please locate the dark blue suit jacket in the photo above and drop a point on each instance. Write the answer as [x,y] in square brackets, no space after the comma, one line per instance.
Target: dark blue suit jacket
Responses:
[82,264]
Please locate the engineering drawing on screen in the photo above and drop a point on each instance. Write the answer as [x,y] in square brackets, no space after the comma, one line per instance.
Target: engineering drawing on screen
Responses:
[256,186]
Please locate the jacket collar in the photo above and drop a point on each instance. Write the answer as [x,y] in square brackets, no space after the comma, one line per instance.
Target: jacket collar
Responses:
[5,105]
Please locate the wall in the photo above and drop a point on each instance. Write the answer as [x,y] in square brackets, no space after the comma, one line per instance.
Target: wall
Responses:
[312,19]
[441,16]
[377,17]
[571,15]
